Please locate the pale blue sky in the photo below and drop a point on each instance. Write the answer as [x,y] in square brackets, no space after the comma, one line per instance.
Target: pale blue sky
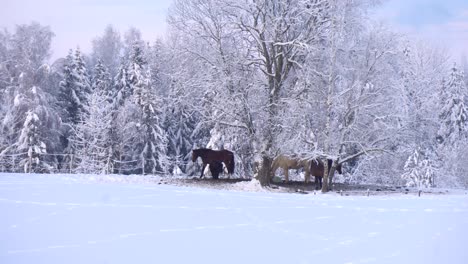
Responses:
[440,22]
[77,22]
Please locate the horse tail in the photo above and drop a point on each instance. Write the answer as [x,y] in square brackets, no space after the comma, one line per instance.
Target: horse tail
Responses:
[274,165]
[231,164]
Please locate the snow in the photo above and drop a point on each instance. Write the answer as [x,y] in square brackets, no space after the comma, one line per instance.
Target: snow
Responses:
[17,100]
[134,219]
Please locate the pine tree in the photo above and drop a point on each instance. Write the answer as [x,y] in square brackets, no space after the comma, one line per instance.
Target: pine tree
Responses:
[101,79]
[74,88]
[155,143]
[82,74]
[39,130]
[148,139]
[29,126]
[107,48]
[121,92]
[180,126]
[91,139]
[454,114]
[73,97]
[31,143]
[418,171]
[136,78]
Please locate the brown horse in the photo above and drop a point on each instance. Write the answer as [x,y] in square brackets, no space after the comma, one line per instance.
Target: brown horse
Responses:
[213,157]
[317,169]
[290,162]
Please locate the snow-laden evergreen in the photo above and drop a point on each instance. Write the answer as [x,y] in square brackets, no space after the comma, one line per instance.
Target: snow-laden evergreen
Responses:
[29,141]
[30,125]
[102,80]
[74,88]
[107,49]
[418,171]
[148,139]
[91,139]
[454,113]
[121,91]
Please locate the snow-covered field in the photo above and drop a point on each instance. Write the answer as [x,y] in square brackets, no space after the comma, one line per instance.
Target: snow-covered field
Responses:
[95,219]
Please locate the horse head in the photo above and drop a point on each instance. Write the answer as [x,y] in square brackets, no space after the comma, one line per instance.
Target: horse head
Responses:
[338,169]
[195,155]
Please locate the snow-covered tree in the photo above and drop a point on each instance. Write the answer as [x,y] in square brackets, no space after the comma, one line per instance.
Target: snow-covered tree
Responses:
[150,140]
[132,38]
[30,142]
[108,49]
[418,171]
[154,138]
[30,126]
[454,113]
[74,88]
[121,91]
[102,81]
[137,80]
[342,105]
[91,138]
[179,126]
[248,53]
[83,82]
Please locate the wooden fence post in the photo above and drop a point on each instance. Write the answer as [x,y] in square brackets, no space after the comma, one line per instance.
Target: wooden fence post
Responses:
[71,163]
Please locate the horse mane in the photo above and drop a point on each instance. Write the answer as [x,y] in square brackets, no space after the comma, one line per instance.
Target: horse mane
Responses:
[201,150]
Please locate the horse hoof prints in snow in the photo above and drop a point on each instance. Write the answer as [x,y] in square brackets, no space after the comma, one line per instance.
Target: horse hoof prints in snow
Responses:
[214,158]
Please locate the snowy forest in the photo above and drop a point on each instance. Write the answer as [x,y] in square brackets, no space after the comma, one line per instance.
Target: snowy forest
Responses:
[313,78]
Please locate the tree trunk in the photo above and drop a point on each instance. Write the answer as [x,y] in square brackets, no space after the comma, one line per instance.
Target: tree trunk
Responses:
[325,176]
[328,174]
[264,171]
[331,173]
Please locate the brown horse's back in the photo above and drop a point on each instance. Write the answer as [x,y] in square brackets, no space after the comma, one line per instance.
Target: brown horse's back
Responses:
[210,156]
[228,158]
[317,169]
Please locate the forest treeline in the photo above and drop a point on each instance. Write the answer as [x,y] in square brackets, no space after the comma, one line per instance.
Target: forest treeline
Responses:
[313,78]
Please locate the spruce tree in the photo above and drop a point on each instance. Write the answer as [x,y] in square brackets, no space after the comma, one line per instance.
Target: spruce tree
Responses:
[146,134]
[101,79]
[91,139]
[92,136]
[454,114]
[29,126]
[74,88]
[418,171]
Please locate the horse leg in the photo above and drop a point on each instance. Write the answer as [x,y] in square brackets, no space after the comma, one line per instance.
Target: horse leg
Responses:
[203,169]
[318,183]
[224,171]
[286,175]
[273,172]
[215,174]
[307,175]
